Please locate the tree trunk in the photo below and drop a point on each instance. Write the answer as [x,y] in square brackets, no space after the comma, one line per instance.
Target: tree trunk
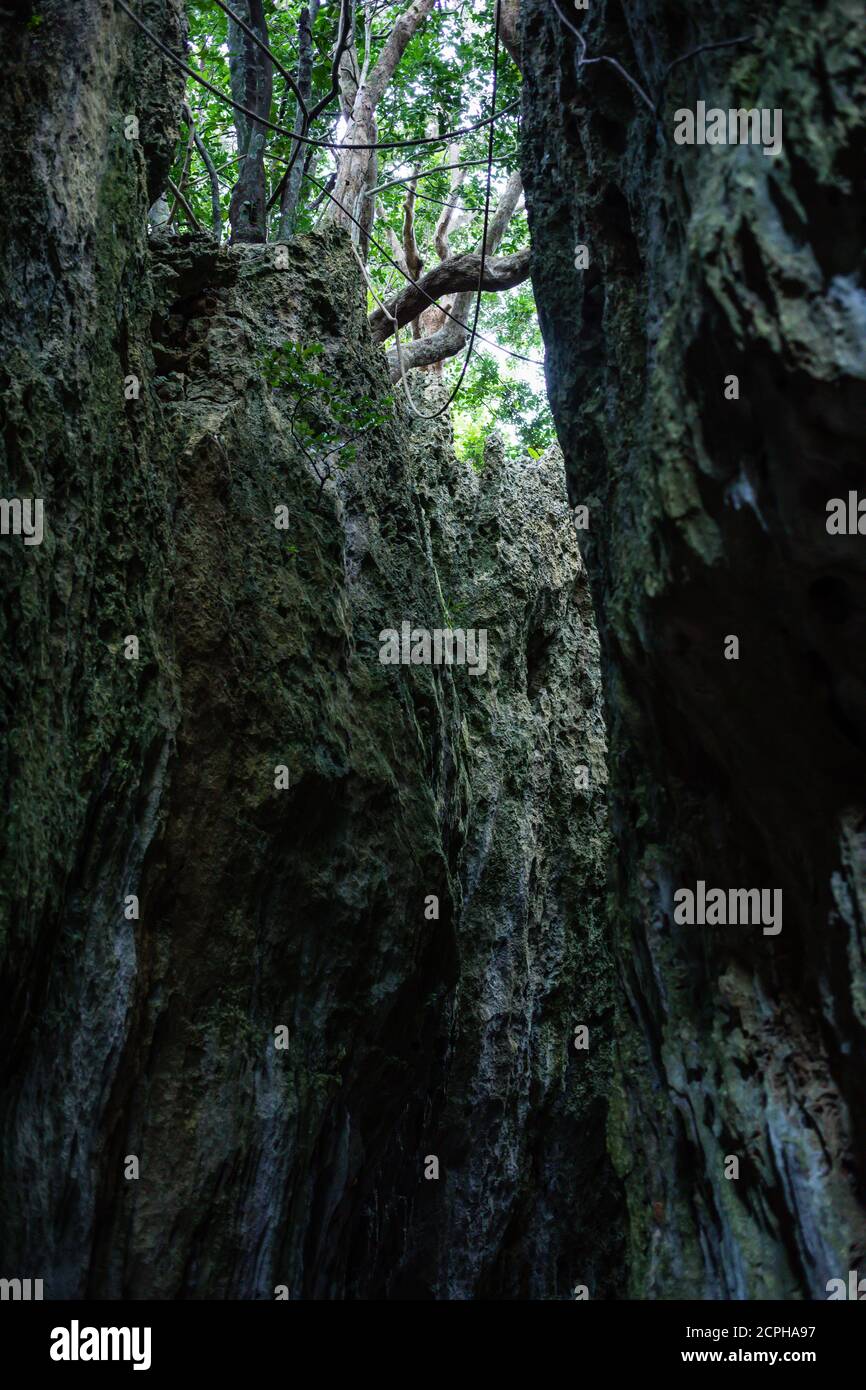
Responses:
[252,86]
[455,332]
[356,175]
[459,274]
[294,181]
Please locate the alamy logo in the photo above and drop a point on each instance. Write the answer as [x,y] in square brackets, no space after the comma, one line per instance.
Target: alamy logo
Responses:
[76,1343]
[846,518]
[734,127]
[736,907]
[19,1290]
[441,647]
[856,1288]
[22,516]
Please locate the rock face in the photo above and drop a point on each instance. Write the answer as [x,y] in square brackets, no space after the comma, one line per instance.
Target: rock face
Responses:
[708,520]
[85,734]
[279,806]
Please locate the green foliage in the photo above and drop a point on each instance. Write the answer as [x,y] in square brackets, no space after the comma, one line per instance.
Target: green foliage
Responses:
[495,397]
[326,421]
[470,432]
[288,367]
[443,81]
[454,611]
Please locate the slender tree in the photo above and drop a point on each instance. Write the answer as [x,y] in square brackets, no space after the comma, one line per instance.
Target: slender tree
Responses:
[356,173]
[252,87]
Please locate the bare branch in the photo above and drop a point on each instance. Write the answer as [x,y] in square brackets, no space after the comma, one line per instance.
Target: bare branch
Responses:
[411,253]
[440,236]
[441,168]
[212,174]
[184,175]
[499,273]
[356,170]
[456,275]
[176,193]
[491,342]
[503,214]
[397,247]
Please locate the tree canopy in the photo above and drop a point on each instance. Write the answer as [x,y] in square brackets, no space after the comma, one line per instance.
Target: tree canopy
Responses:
[312,80]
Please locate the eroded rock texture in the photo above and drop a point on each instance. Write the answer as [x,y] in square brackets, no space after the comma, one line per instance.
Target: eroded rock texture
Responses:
[708,520]
[259,649]
[85,734]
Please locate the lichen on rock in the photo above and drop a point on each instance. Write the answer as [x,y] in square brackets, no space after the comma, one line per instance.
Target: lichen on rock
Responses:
[281,804]
[707,519]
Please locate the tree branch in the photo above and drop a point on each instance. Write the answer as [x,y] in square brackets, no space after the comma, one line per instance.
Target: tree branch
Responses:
[443,226]
[212,174]
[441,169]
[176,193]
[289,188]
[491,342]
[184,172]
[394,49]
[266,49]
[356,169]
[496,272]
[410,246]
[344,37]
[460,273]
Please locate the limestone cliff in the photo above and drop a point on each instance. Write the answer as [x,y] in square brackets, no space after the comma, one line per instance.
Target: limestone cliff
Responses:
[282,806]
[707,521]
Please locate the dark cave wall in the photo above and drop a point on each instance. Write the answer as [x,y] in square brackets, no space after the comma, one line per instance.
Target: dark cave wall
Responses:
[707,519]
[155,777]
[85,734]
